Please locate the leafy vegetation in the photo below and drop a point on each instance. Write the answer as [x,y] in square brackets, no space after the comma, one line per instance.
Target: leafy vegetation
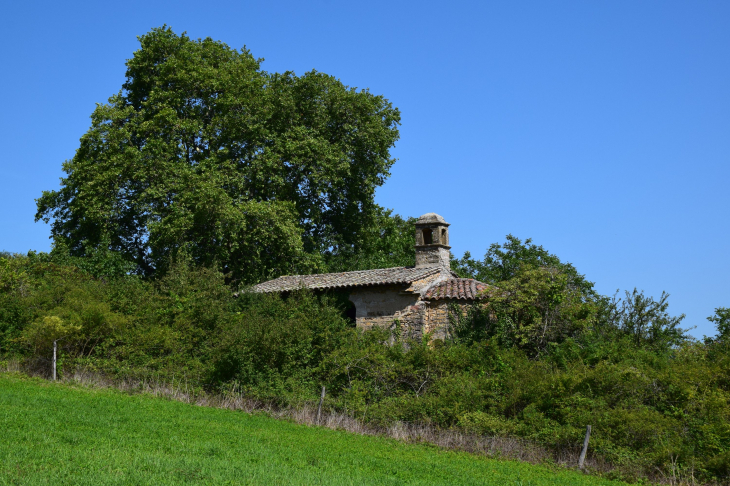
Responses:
[202,150]
[540,359]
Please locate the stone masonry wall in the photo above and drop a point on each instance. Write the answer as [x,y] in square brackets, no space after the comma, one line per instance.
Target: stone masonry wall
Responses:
[379,306]
[391,308]
[437,317]
[433,255]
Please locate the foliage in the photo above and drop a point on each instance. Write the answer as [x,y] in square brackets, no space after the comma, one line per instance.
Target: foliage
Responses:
[644,319]
[721,319]
[537,307]
[539,302]
[540,359]
[387,242]
[201,150]
[43,332]
[98,260]
[32,288]
[503,262]
[278,339]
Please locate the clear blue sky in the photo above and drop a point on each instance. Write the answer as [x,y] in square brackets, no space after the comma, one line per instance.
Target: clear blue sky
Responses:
[600,129]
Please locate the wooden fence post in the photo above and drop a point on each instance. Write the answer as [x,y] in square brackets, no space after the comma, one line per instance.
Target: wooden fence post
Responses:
[582,459]
[319,408]
[55,342]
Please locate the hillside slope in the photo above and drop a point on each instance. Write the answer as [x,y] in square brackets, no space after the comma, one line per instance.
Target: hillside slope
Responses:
[59,434]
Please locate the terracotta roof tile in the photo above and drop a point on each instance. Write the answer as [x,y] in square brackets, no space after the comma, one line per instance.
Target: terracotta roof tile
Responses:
[381,276]
[456,288]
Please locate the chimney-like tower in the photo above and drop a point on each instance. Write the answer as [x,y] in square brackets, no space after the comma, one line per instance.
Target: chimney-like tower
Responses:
[432,241]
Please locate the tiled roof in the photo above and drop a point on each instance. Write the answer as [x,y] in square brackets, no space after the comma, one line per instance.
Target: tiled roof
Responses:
[381,276]
[456,288]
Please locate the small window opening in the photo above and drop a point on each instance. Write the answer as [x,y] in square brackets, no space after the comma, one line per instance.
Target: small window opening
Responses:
[427,237]
[443,236]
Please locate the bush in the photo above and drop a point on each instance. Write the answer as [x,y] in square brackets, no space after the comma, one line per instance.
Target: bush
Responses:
[653,402]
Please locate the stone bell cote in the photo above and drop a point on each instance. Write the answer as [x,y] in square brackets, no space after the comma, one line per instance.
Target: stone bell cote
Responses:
[432,241]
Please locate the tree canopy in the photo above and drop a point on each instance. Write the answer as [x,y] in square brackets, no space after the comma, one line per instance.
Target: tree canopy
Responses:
[505,261]
[202,150]
[540,302]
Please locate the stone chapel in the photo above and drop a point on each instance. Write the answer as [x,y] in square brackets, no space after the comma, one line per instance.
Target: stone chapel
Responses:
[415,298]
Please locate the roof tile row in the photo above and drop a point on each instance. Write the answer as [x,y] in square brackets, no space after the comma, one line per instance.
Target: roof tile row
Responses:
[381,276]
[456,288]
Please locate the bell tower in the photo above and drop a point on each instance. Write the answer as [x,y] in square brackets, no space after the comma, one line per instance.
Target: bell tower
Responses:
[432,241]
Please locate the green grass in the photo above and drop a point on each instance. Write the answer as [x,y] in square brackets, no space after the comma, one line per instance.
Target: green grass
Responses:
[61,434]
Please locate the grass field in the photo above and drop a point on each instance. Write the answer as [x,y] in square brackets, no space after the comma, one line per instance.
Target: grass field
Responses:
[61,434]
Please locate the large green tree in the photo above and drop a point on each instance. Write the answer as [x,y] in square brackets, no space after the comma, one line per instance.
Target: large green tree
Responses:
[261,173]
[388,242]
[505,261]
